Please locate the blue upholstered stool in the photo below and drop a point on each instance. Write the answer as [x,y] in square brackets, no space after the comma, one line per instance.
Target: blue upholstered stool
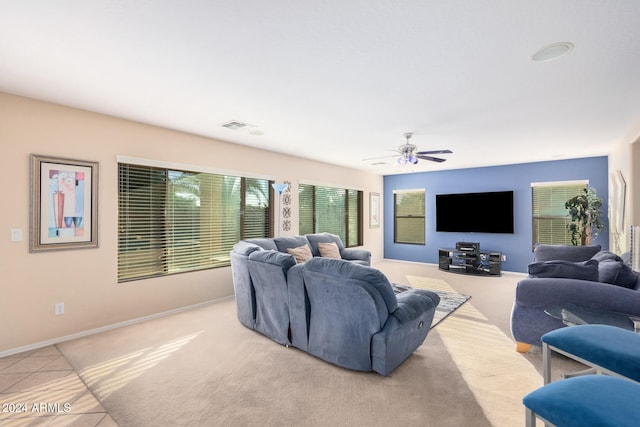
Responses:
[607,349]
[586,401]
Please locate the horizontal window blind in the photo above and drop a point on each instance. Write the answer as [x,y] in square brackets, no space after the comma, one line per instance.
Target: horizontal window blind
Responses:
[354,223]
[256,209]
[174,221]
[306,209]
[550,217]
[141,222]
[332,210]
[409,217]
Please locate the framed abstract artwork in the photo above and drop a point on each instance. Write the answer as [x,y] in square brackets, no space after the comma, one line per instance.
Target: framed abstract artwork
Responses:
[64,204]
[374,210]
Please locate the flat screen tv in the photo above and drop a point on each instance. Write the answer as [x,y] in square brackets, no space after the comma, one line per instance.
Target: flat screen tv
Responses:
[490,212]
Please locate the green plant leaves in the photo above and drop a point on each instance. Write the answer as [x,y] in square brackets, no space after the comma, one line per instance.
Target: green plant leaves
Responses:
[585,211]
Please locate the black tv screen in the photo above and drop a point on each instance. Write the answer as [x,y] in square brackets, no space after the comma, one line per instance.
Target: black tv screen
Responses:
[490,212]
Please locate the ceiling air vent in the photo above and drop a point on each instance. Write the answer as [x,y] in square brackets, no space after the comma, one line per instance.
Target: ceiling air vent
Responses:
[234,125]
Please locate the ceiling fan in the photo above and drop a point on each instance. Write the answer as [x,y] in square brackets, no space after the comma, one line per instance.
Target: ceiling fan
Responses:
[409,155]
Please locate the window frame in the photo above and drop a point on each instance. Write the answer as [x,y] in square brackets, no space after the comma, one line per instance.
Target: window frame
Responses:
[420,216]
[564,219]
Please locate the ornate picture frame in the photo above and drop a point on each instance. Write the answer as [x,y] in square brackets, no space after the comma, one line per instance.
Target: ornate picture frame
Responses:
[64,204]
[374,210]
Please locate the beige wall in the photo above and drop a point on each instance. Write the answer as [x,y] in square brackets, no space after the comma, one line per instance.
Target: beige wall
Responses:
[85,280]
[624,159]
[634,212]
[619,163]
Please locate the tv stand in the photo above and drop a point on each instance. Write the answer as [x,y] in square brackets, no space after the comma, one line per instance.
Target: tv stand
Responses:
[465,260]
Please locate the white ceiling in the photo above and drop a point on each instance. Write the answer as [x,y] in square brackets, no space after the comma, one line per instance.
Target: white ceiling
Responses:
[342,80]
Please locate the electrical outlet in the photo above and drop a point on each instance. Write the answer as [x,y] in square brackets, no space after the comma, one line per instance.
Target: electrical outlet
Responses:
[504,258]
[59,308]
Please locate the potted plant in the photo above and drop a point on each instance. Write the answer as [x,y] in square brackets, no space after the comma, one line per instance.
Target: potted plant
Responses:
[586,217]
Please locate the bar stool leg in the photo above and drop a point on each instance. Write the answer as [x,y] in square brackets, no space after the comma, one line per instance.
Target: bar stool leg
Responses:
[546,362]
[530,418]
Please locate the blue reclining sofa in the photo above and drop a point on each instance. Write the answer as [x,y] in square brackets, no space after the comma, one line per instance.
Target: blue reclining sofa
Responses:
[340,310]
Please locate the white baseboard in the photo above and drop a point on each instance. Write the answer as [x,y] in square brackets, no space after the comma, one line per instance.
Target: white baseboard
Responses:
[81,334]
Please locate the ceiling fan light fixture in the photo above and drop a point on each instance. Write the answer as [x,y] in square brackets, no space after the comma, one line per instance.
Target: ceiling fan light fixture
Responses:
[409,154]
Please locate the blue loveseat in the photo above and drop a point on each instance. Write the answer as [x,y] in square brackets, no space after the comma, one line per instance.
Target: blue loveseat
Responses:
[561,276]
[341,311]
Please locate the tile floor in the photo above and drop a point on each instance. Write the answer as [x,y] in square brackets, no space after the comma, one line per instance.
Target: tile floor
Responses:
[39,388]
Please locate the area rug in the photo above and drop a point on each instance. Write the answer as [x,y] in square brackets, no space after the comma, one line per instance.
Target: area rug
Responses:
[449,301]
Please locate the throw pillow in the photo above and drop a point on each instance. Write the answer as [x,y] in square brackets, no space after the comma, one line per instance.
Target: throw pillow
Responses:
[616,273]
[329,250]
[586,270]
[301,253]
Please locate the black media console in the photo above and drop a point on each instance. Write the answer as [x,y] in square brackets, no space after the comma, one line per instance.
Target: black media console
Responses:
[467,258]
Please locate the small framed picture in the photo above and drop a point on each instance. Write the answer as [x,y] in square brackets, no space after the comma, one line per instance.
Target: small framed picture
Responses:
[374,210]
[64,204]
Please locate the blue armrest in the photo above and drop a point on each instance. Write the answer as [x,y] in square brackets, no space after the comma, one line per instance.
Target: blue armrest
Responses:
[405,329]
[413,303]
[548,292]
[356,254]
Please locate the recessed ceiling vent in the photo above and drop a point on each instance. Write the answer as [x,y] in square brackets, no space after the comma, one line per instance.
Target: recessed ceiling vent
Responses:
[234,125]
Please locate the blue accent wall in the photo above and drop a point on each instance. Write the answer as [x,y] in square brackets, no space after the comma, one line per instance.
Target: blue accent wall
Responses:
[517,178]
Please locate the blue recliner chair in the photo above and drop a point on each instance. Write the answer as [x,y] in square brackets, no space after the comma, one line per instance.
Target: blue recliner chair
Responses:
[357,322]
[268,271]
[242,284]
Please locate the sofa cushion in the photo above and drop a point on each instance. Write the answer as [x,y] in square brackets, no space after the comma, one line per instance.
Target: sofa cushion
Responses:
[284,243]
[606,255]
[329,250]
[616,273]
[316,239]
[301,253]
[586,270]
[373,280]
[564,252]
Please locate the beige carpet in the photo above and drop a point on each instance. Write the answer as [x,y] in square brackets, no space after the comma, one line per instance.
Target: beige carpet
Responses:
[203,367]
[498,377]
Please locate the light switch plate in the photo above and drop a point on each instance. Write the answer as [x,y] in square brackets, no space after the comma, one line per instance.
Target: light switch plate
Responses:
[16,234]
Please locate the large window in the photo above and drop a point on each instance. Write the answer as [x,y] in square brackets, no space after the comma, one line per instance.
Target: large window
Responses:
[550,217]
[408,215]
[332,210]
[173,221]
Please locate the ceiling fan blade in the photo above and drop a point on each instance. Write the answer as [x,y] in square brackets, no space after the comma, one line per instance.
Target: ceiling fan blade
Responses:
[433,159]
[383,157]
[435,152]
